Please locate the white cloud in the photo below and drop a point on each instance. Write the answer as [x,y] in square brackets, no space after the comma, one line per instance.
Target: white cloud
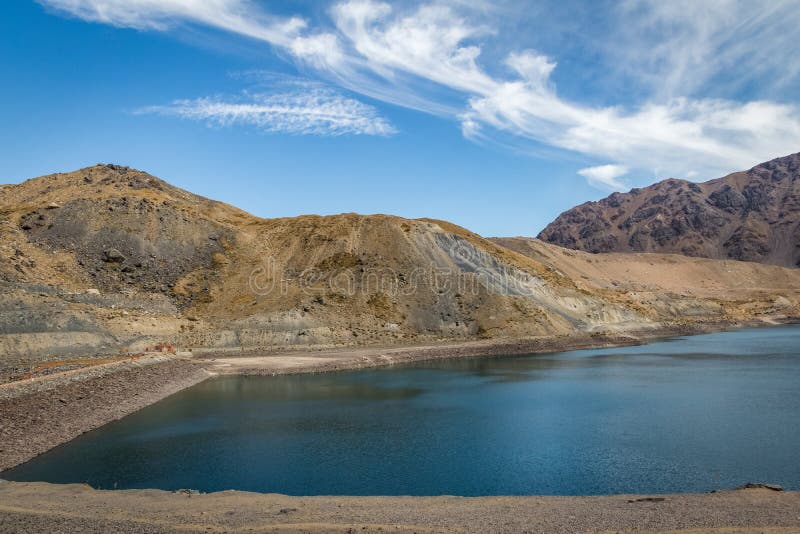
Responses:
[533,68]
[310,110]
[605,176]
[429,57]
[321,50]
[426,43]
[679,135]
[680,46]
[242,17]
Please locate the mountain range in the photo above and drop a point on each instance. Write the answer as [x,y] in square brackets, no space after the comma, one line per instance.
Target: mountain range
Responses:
[109,259]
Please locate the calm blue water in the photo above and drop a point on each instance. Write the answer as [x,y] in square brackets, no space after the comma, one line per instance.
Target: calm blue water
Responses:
[683,415]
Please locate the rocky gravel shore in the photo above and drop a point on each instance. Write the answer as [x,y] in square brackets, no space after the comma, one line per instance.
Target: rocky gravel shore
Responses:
[39,507]
[39,414]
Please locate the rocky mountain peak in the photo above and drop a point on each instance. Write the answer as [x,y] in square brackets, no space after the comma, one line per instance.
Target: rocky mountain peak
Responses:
[752,216]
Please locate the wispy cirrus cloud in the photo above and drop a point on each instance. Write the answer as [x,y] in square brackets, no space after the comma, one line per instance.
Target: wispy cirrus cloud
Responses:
[310,109]
[431,57]
[605,176]
[726,43]
[242,17]
[678,135]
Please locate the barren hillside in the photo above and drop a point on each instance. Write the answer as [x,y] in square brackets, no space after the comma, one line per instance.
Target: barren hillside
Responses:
[750,216]
[670,285]
[109,259]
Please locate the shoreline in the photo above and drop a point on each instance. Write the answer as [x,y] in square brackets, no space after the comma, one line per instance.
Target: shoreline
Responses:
[38,416]
[303,361]
[42,413]
[74,402]
[40,507]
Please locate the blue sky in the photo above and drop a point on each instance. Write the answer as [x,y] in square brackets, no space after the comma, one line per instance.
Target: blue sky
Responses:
[494,115]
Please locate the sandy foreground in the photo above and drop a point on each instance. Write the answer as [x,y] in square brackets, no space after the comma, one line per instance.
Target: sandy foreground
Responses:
[41,413]
[38,507]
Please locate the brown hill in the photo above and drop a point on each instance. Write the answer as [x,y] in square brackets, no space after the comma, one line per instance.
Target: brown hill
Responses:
[749,216]
[109,258]
[664,286]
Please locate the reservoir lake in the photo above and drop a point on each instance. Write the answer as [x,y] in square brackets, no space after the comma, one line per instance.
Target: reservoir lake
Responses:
[686,414]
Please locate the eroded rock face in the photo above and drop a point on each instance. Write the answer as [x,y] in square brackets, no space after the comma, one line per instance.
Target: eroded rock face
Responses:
[750,216]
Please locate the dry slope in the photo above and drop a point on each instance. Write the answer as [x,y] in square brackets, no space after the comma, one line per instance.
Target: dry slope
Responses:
[674,287]
[109,258]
